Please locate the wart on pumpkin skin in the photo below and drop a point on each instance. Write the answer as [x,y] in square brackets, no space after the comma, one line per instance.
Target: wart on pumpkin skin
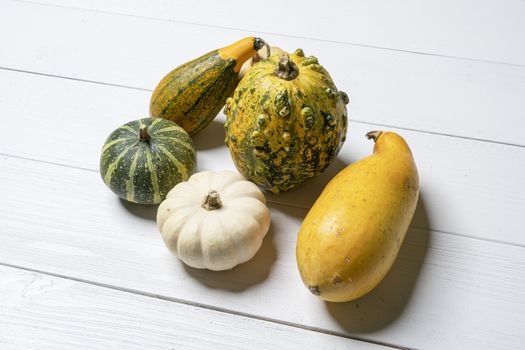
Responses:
[317,68]
[331,93]
[265,104]
[344,97]
[309,60]
[261,120]
[284,112]
[299,52]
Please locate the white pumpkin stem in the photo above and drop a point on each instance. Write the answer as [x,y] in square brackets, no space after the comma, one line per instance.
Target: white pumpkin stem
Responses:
[212,201]
[143,133]
[286,69]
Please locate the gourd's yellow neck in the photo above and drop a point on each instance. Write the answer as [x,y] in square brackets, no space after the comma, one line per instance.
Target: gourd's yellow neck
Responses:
[240,51]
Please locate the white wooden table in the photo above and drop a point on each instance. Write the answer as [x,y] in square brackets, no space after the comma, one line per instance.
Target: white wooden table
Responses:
[81,269]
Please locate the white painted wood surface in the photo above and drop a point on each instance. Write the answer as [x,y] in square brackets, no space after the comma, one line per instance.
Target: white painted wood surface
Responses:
[442,286]
[397,89]
[486,30]
[459,281]
[36,308]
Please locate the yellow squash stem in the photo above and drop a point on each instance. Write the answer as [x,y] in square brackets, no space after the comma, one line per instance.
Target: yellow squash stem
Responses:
[242,50]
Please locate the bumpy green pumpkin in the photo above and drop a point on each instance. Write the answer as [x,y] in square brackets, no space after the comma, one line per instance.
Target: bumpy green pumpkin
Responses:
[192,94]
[144,159]
[285,122]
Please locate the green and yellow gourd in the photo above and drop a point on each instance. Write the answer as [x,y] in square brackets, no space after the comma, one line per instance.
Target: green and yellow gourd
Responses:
[144,159]
[193,94]
[286,121]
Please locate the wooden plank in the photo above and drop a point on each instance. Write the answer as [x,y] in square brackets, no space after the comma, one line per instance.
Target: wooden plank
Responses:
[489,30]
[435,94]
[39,311]
[468,187]
[443,292]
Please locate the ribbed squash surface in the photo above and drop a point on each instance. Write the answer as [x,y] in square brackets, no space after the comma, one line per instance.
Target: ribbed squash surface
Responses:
[144,171]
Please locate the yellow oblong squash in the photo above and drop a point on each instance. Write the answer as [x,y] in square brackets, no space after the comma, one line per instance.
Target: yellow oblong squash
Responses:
[352,234]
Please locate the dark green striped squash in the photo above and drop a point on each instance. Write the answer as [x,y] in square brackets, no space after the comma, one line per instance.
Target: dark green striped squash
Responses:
[144,159]
[193,94]
[286,121]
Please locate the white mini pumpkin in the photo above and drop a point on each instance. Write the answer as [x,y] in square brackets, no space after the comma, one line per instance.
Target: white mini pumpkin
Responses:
[215,220]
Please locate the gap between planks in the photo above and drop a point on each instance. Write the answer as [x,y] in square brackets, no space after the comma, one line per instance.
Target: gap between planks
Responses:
[204,306]
[352,120]
[290,205]
[276,34]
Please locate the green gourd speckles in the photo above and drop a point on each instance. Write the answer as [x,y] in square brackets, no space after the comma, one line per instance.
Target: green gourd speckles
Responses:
[308,115]
[262,120]
[282,104]
[193,93]
[143,160]
[291,125]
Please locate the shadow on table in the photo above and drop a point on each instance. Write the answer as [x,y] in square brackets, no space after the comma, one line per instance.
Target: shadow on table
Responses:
[384,304]
[211,136]
[245,275]
[237,279]
[148,212]
[258,269]
[306,194]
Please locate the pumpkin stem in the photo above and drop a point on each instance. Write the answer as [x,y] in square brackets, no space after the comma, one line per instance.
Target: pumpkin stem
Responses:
[143,133]
[286,69]
[212,201]
[258,44]
[374,135]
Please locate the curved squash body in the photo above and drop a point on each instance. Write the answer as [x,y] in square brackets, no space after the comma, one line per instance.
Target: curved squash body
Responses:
[352,234]
[192,94]
[143,166]
[283,131]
